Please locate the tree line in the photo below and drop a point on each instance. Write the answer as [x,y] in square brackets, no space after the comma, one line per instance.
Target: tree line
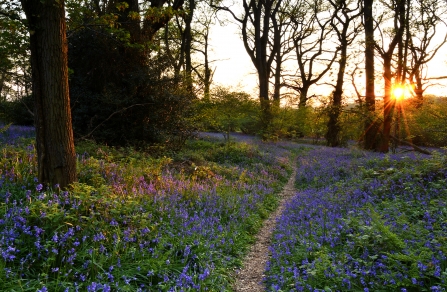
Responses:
[131,71]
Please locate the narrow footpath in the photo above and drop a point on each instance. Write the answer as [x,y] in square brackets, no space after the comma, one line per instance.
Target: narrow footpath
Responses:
[251,276]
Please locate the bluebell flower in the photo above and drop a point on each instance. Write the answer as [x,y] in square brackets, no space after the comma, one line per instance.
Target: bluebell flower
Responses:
[39,187]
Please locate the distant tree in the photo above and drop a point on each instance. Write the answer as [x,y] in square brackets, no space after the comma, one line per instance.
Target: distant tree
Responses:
[422,32]
[178,42]
[394,36]
[255,22]
[54,136]
[14,53]
[123,88]
[130,23]
[185,40]
[228,111]
[140,21]
[428,123]
[171,44]
[282,32]
[310,37]
[119,100]
[346,25]
[203,70]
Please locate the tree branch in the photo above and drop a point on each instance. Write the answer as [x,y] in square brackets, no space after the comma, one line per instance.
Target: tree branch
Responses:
[416,148]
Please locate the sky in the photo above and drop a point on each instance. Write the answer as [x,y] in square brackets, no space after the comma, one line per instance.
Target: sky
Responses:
[233,67]
[232,64]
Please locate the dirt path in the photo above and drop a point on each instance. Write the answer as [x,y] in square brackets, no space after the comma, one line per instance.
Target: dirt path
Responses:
[250,277]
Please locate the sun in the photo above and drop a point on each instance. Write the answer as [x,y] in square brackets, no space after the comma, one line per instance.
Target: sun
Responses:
[402,91]
[398,92]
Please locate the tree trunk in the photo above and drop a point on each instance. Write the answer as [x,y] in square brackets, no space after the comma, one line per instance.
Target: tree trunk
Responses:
[207,79]
[371,125]
[277,84]
[208,74]
[419,90]
[279,60]
[263,77]
[263,69]
[388,104]
[304,91]
[260,14]
[388,101]
[333,129]
[54,134]
[266,115]
[153,24]
[188,46]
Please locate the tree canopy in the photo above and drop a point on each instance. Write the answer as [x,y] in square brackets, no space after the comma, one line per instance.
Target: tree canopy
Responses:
[137,67]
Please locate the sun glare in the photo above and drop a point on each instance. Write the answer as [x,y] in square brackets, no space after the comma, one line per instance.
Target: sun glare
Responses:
[398,92]
[402,91]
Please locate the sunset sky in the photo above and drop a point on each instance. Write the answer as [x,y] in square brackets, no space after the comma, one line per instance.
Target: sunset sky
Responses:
[235,69]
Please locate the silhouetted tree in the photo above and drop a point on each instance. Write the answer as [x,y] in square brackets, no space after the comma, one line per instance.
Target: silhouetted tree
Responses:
[398,8]
[346,27]
[370,138]
[311,31]
[256,29]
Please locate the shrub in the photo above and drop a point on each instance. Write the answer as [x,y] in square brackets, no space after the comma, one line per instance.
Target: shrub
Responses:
[121,96]
[229,111]
[427,125]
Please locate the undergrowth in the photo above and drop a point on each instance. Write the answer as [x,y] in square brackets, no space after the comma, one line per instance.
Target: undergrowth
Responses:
[363,222]
[136,222]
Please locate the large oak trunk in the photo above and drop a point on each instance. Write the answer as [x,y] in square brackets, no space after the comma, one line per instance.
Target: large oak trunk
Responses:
[54,134]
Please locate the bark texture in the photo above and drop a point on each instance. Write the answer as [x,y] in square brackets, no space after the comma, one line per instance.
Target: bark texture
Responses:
[371,124]
[54,134]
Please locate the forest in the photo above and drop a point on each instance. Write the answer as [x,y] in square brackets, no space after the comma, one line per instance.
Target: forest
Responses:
[125,166]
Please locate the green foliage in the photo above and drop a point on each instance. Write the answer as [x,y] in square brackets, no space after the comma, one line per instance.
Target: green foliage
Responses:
[292,123]
[427,125]
[352,125]
[199,152]
[284,124]
[14,51]
[384,233]
[228,111]
[5,128]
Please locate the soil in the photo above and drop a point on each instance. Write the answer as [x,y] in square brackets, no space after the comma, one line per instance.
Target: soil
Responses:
[251,276]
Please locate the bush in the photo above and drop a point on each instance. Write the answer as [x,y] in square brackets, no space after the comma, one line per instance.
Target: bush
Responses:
[121,96]
[427,125]
[229,111]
